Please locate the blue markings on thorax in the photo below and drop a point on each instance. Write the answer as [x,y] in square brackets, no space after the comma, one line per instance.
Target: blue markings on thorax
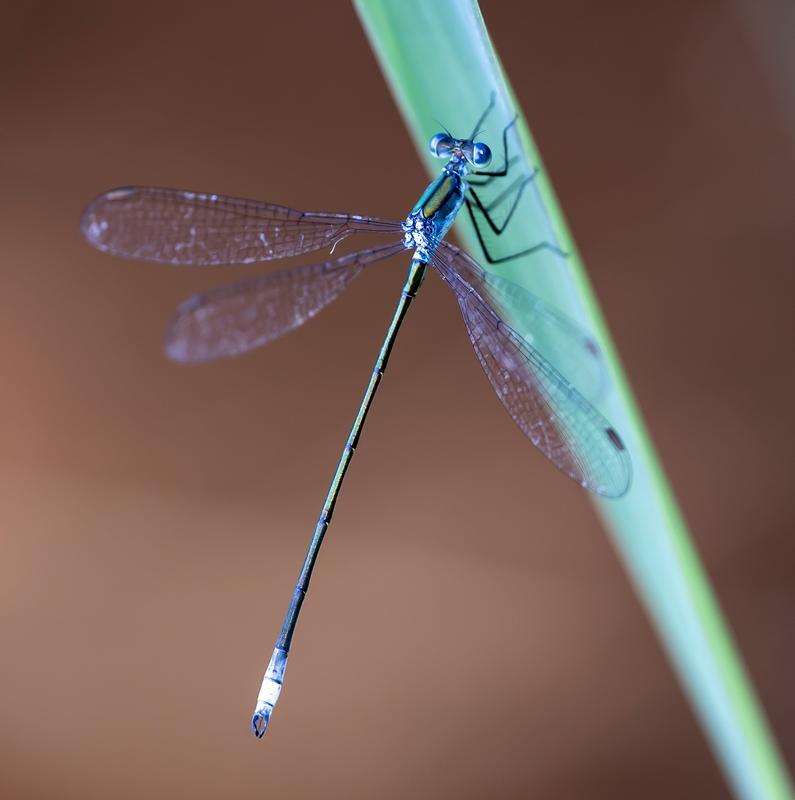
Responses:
[434,213]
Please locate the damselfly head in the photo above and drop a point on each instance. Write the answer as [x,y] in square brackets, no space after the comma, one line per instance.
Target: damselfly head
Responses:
[442,145]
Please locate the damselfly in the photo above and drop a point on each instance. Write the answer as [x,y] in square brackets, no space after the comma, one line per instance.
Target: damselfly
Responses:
[189,228]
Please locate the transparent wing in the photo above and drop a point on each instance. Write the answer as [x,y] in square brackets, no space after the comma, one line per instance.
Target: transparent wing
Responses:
[556,418]
[178,227]
[233,319]
[558,338]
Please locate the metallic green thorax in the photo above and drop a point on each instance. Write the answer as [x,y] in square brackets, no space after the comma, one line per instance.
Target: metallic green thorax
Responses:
[435,211]
[434,196]
[410,289]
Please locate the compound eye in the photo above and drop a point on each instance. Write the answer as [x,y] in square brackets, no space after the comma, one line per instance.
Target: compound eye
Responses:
[481,155]
[441,145]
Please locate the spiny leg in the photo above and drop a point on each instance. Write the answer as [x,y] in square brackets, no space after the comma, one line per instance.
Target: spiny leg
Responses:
[490,176]
[499,229]
[515,189]
[484,209]
[476,181]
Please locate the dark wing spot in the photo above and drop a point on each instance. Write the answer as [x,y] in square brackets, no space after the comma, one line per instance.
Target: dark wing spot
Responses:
[615,438]
[592,347]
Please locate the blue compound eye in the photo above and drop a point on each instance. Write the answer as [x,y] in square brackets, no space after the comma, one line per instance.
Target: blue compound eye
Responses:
[481,155]
[441,145]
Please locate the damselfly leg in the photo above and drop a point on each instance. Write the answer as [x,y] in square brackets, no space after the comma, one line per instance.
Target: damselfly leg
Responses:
[483,209]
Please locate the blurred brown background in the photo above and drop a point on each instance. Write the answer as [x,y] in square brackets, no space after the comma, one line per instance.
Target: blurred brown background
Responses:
[154,517]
